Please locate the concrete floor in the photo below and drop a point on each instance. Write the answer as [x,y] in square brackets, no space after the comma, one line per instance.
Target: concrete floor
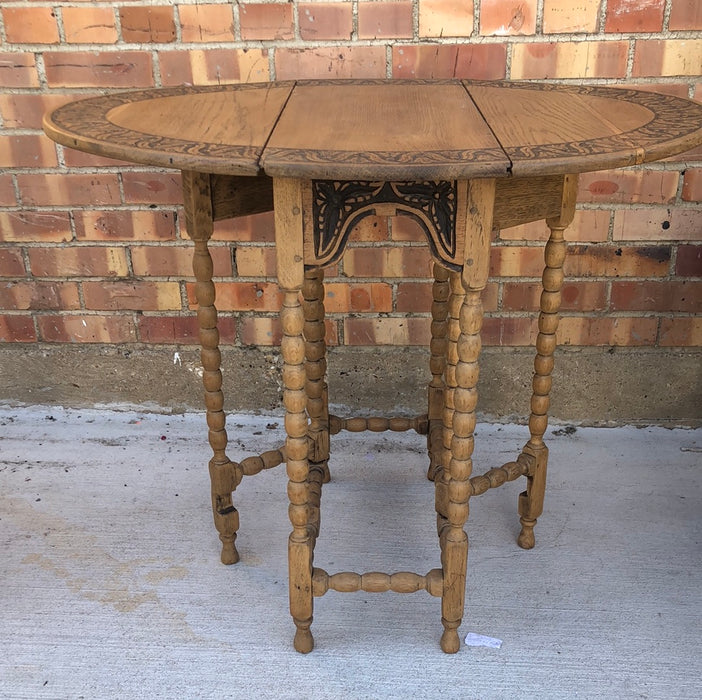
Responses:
[111,586]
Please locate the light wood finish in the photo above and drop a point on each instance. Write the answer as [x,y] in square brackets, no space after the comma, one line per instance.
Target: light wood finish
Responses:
[459,158]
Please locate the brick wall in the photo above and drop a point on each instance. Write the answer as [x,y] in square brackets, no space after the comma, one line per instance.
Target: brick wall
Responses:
[94,251]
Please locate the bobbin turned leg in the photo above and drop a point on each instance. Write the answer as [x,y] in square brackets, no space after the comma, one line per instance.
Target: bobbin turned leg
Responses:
[289,254]
[531,501]
[225,475]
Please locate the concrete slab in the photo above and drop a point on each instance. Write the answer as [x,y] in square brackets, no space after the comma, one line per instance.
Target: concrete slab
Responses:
[111,586]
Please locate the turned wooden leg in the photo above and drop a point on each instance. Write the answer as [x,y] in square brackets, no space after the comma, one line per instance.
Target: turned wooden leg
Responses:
[437,366]
[459,432]
[225,475]
[316,368]
[531,501]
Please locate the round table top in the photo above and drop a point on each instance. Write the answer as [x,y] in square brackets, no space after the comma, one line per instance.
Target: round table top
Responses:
[382,129]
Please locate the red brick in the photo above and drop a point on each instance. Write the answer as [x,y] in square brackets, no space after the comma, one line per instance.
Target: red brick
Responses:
[629,187]
[78,159]
[11,262]
[330,62]
[119,225]
[692,185]
[688,261]
[125,69]
[18,70]
[27,151]
[26,295]
[25,111]
[153,24]
[663,57]
[7,191]
[371,229]
[213,66]
[571,16]
[383,20]
[322,20]
[588,225]
[607,331]
[260,330]
[255,261]
[17,329]
[657,224]
[388,262]
[657,296]
[442,18]
[262,21]
[30,25]
[575,296]
[342,297]
[82,190]
[387,331]
[78,261]
[578,59]
[23,226]
[258,227]
[152,188]
[243,296]
[404,228]
[509,331]
[86,329]
[516,261]
[503,17]
[89,25]
[609,261]
[628,16]
[129,294]
[681,332]
[176,261]
[181,329]
[206,22]
[475,61]
[685,15]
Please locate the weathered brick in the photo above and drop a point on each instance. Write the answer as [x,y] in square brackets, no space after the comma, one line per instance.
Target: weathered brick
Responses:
[176,261]
[11,262]
[626,16]
[125,69]
[30,25]
[575,296]
[404,228]
[685,15]
[260,330]
[25,111]
[385,20]
[504,17]
[445,18]
[588,225]
[388,262]
[610,261]
[132,294]
[206,22]
[681,332]
[255,261]
[657,224]
[266,21]
[344,297]
[508,331]
[629,187]
[372,228]
[213,66]
[243,296]
[607,331]
[663,57]
[387,331]
[78,159]
[688,261]
[18,70]
[330,62]
[152,188]
[325,20]
[152,24]
[86,329]
[657,296]
[17,329]
[71,189]
[181,329]
[7,191]
[78,261]
[516,261]
[580,59]
[27,151]
[475,61]
[692,185]
[25,294]
[119,225]
[89,25]
[53,226]
[258,227]
[570,16]
[416,297]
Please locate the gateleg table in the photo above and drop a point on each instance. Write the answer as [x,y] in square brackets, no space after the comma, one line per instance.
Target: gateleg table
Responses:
[458,157]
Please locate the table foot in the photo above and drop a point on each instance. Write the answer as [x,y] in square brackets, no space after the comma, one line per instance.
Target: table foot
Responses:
[526,539]
[304,641]
[229,555]
[450,641]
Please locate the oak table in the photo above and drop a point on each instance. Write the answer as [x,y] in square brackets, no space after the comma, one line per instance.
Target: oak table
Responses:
[461,158]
